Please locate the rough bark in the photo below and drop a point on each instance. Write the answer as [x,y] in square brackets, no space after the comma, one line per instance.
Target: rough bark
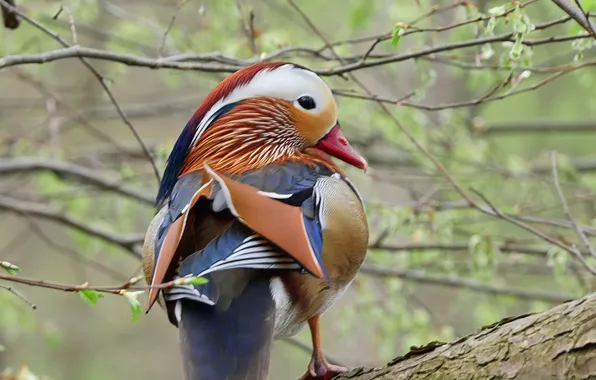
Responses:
[559,343]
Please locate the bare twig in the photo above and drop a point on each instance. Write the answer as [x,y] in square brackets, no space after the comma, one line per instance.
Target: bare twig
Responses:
[350,67]
[111,289]
[586,15]
[541,126]
[219,63]
[73,28]
[178,62]
[19,296]
[76,114]
[462,247]
[62,250]
[126,241]
[577,228]
[438,9]
[549,239]
[131,281]
[170,26]
[488,97]
[457,282]
[248,27]
[22,165]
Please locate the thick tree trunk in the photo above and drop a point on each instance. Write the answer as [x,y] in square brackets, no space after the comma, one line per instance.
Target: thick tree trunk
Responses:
[559,343]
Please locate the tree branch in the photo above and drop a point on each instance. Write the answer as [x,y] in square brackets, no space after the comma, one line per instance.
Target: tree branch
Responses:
[209,62]
[111,289]
[19,296]
[556,343]
[578,15]
[126,241]
[480,100]
[549,239]
[570,218]
[504,248]
[540,126]
[22,165]
[457,282]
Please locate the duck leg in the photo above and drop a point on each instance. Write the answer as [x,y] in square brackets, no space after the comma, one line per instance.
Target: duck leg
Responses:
[319,368]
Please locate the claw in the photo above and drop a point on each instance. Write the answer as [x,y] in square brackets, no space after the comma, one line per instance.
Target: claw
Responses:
[319,368]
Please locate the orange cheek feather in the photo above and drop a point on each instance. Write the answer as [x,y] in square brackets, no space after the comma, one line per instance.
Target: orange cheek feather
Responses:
[313,127]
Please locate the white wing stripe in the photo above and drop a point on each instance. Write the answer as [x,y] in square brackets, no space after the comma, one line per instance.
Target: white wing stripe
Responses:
[250,250]
[179,293]
[275,195]
[251,237]
[220,264]
[290,264]
[189,295]
[259,264]
[252,243]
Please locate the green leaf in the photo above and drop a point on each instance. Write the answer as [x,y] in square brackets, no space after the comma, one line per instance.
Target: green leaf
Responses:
[196,281]
[578,57]
[90,296]
[191,281]
[517,48]
[398,31]
[487,52]
[135,306]
[473,243]
[10,268]
[496,11]
[558,260]
[492,23]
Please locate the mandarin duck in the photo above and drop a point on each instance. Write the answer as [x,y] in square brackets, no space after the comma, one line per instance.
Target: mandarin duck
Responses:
[252,202]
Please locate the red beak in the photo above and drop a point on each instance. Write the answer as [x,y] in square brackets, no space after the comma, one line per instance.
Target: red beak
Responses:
[336,145]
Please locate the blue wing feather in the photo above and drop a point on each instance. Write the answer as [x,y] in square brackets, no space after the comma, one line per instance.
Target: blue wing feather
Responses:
[181,195]
[175,160]
[315,236]
[237,247]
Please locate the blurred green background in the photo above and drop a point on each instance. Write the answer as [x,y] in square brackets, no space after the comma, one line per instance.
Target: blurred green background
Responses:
[58,112]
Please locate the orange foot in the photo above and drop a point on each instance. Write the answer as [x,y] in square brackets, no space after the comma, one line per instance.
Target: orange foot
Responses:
[319,369]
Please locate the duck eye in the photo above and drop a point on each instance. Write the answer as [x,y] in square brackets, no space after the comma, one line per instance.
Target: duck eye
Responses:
[306,102]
